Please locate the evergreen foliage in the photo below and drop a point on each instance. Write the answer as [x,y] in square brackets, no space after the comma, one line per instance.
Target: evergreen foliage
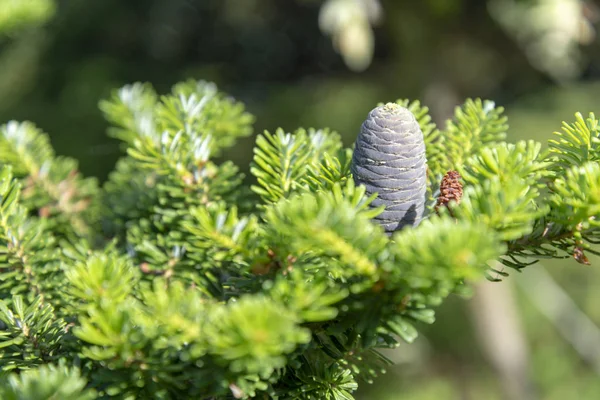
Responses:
[175,280]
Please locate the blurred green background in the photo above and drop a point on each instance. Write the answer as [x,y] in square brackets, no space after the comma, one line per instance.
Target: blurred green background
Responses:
[327,63]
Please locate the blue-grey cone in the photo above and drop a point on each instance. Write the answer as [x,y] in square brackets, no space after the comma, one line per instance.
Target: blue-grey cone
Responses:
[389,159]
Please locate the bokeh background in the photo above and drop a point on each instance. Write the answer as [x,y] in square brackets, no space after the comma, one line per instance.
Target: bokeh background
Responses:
[327,63]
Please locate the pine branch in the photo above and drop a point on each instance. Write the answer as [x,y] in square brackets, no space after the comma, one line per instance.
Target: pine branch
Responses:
[31,334]
[476,124]
[331,170]
[282,160]
[571,226]
[131,111]
[195,111]
[577,144]
[46,383]
[325,224]
[167,174]
[52,187]
[28,259]
[206,292]
[198,106]
[218,234]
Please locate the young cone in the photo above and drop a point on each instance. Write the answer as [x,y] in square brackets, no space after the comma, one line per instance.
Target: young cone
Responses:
[389,159]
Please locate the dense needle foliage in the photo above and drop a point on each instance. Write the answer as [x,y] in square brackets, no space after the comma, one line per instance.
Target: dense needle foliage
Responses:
[174,280]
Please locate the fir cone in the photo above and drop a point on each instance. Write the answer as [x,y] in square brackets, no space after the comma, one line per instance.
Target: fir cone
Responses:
[389,159]
[450,189]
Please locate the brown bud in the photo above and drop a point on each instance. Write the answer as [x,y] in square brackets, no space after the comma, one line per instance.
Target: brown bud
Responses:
[44,212]
[578,253]
[145,268]
[580,256]
[450,190]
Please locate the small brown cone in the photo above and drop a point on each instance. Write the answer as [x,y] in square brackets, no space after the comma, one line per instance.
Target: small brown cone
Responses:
[450,190]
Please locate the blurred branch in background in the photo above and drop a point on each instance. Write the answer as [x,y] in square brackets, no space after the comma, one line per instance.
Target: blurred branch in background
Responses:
[21,45]
[497,321]
[19,63]
[550,32]
[568,319]
[19,14]
[349,23]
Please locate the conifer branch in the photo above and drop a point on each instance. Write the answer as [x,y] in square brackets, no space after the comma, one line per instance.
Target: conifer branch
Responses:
[27,251]
[51,185]
[205,291]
